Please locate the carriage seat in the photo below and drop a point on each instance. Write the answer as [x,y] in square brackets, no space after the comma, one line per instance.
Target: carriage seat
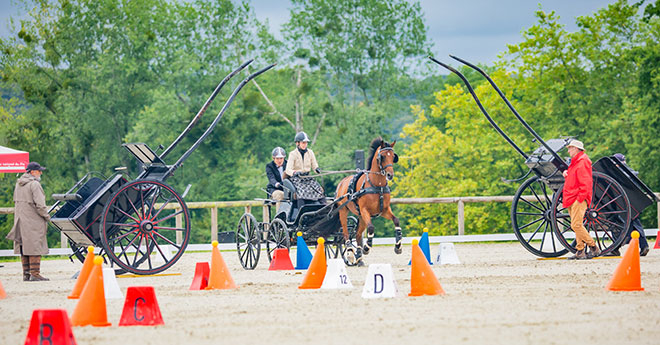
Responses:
[289,189]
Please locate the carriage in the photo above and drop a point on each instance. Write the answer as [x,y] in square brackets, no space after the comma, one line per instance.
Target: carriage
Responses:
[142,225]
[539,221]
[313,219]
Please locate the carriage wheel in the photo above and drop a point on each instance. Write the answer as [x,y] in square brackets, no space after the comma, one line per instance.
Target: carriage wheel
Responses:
[530,214]
[248,241]
[351,224]
[278,237]
[140,219]
[607,218]
[80,252]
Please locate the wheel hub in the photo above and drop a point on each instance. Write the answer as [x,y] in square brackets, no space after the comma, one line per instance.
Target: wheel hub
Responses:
[146,226]
[592,214]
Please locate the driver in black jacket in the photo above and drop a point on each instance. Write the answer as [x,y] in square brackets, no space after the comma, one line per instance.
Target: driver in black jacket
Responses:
[275,172]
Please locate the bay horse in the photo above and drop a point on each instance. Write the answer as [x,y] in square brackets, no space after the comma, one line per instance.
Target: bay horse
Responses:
[367,195]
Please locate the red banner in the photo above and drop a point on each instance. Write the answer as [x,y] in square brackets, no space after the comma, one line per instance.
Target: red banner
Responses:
[13,161]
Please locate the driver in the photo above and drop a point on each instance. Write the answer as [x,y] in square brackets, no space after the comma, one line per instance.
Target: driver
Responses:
[302,159]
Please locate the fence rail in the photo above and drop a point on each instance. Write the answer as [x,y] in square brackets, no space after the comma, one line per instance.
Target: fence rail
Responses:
[249,204]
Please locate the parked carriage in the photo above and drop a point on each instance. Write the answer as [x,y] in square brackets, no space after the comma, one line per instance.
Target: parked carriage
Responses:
[143,225]
[619,196]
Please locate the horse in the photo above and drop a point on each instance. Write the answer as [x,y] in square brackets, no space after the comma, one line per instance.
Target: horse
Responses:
[367,195]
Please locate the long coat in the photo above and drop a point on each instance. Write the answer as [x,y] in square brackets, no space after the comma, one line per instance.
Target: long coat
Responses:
[578,185]
[30,217]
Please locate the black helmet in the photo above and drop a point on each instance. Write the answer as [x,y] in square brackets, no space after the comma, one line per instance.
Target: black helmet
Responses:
[301,136]
[279,152]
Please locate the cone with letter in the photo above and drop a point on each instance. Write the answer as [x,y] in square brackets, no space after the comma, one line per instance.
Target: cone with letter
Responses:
[201,278]
[281,260]
[627,275]
[141,308]
[422,279]
[219,277]
[303,255]
[90,309]
[50,326]
[84,274]
[317,268]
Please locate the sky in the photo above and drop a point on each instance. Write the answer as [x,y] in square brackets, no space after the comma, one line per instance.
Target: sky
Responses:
[477,30]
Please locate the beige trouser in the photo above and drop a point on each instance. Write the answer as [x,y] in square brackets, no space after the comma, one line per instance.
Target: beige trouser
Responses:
[582,236]
[277,195]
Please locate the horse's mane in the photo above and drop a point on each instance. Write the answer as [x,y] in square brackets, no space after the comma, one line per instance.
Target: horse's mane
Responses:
[375,144]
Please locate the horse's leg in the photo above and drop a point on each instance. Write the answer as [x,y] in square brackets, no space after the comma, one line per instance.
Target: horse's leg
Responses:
[371,229]
[354,255]
[398,234]
[343,219]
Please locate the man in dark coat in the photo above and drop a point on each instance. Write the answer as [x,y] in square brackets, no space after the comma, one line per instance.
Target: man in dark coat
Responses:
[275,172]
[30,222]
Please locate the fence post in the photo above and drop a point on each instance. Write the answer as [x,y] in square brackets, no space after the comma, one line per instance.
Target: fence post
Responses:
[248,209]
[179,224]
[214,224]
[265,214]
[461,217]
[64,241]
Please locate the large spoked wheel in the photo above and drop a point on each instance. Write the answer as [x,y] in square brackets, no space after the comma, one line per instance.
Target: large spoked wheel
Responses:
[352,225]
[248,241]
[607,218]
[80,252]
[278,237]
[139,220]
[531,219]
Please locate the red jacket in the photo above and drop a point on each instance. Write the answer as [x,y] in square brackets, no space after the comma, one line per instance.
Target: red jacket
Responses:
[578,186]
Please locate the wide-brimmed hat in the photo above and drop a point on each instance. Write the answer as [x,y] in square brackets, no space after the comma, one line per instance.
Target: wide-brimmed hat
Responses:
[34,166]
[577,144]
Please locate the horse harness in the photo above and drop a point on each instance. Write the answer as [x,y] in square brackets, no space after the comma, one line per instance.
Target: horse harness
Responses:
[380,190]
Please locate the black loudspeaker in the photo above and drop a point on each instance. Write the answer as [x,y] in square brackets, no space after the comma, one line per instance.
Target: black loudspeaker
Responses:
[359,159]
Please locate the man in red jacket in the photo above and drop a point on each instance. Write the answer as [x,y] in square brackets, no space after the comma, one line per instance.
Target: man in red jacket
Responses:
[577,197]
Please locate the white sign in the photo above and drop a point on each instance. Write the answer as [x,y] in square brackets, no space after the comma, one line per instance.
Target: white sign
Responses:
[379,282]
[447,255]
[336,276]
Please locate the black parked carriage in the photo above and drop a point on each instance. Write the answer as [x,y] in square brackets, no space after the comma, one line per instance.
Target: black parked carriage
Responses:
[313,219]
[131,220]
[618,195]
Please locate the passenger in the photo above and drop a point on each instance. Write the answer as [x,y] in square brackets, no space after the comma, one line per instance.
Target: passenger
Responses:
[275,173]
[301,162]
[635,224]
[578,190]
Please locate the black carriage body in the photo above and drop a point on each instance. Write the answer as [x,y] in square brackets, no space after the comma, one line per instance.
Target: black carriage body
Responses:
[639,195]
[546,165]
[80,220]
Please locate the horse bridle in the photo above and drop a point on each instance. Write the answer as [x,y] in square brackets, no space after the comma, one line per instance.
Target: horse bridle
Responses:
[380,158]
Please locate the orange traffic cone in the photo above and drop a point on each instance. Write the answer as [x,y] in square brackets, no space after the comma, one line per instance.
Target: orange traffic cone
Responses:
[657,241]
[3,294]
[84,274]
[422,279]
[627,276]
[90,309]
[219,277]
[316,271]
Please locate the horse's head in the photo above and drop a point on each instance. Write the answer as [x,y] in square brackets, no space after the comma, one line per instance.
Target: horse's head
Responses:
[386,157]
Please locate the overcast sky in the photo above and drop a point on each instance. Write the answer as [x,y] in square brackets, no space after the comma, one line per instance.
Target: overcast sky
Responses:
[477,30]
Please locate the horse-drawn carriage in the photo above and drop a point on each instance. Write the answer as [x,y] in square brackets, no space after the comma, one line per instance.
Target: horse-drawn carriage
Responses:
[363,195]
[619,196]
[142,226]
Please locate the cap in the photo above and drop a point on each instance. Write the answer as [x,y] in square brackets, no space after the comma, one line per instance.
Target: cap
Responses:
[34,166]
[620,157]
[577,144]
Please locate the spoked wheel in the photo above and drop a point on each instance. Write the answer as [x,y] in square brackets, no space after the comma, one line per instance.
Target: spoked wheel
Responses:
[80,252]
[278,237]
[607,218]
[140,219]
[248,241]
[531,218]
[351,224]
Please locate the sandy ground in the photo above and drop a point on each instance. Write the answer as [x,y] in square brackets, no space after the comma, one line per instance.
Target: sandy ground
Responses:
[500,294]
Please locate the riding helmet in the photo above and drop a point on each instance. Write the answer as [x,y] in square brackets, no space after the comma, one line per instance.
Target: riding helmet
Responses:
[301,136]
[279,152]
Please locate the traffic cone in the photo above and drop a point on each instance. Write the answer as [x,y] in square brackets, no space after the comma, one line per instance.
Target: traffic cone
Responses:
[141,308]
[316,272]
[3,294]
[110,286]
[281,260]
[201,278]
[84,274]
[657,241]
[90,309]
[50,326]
[303,255]
[627,275]
[422,279]
[219,277]
[425,246]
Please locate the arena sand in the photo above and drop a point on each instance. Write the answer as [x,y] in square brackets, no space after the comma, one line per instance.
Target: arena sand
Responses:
[500,294]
